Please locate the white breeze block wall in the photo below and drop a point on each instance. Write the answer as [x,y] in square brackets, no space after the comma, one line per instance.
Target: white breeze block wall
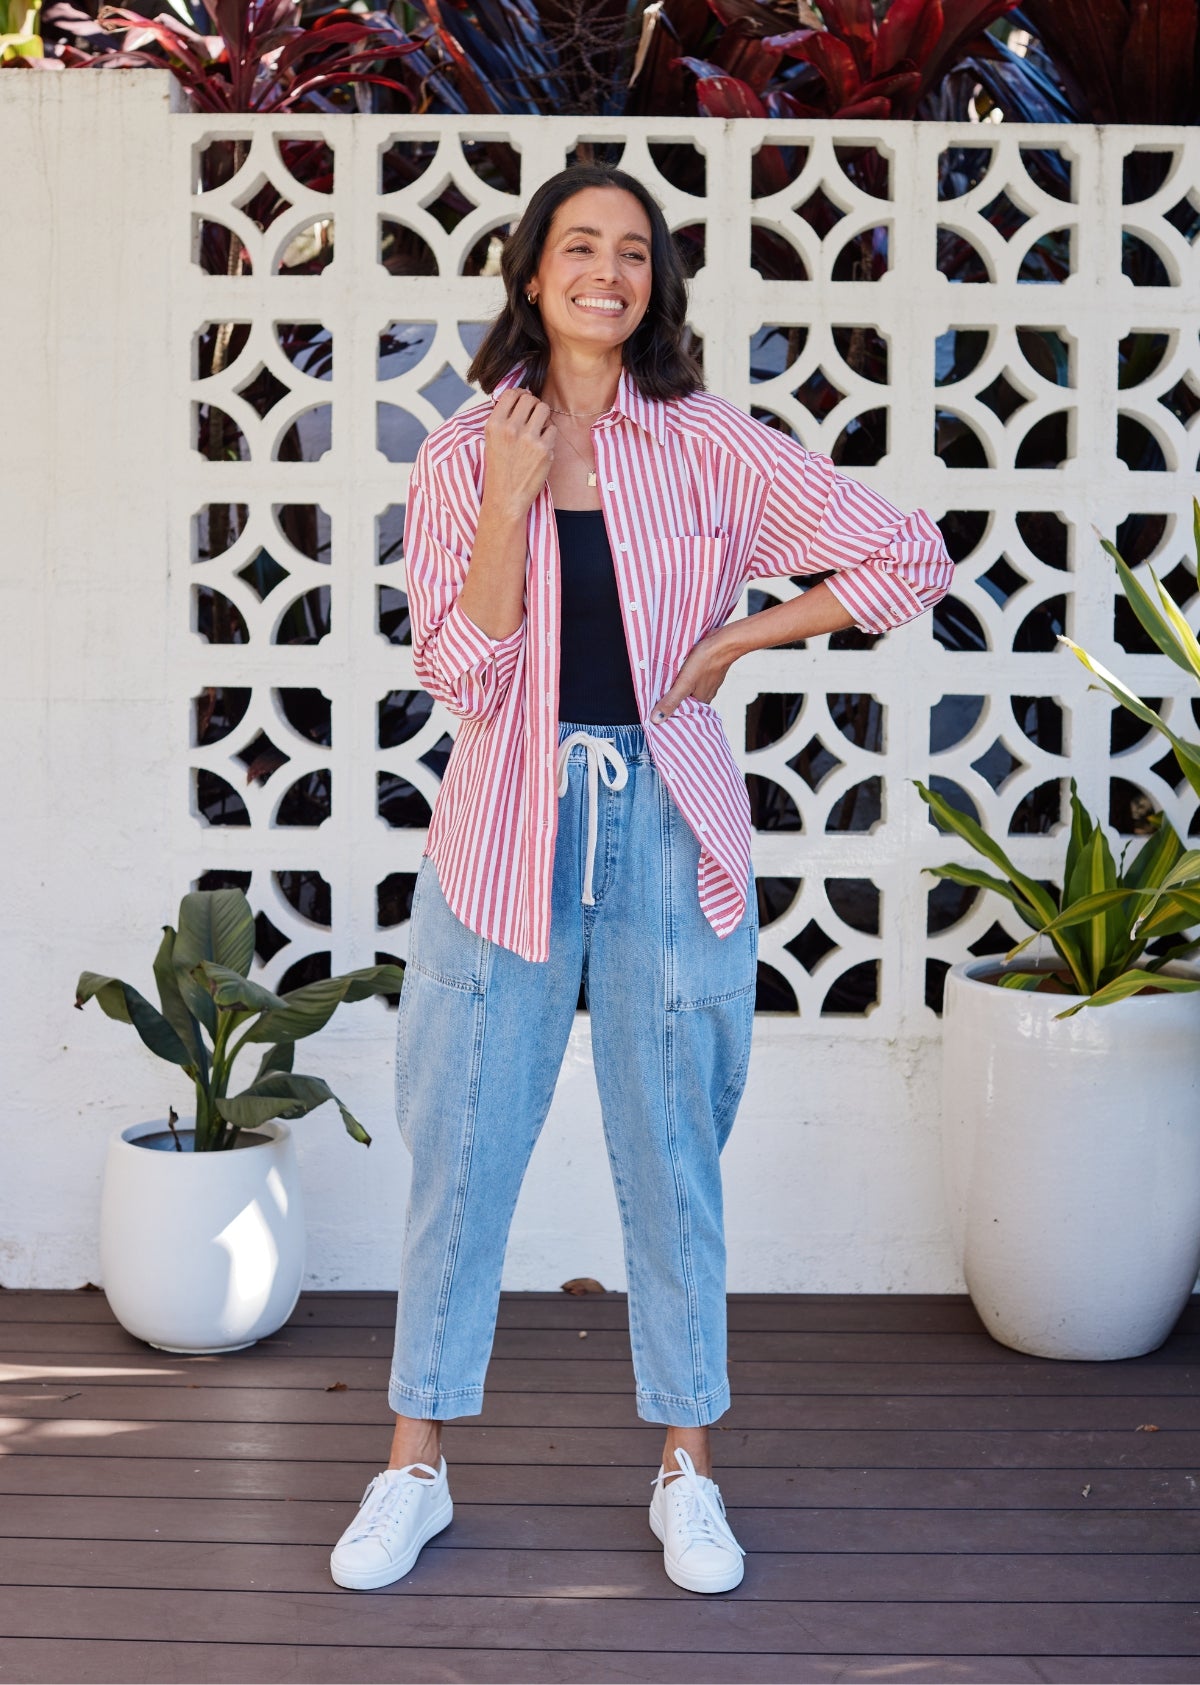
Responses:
[220,390]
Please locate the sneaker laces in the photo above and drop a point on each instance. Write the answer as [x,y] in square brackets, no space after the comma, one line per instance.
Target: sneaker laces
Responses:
[382,1499]
[703,1509]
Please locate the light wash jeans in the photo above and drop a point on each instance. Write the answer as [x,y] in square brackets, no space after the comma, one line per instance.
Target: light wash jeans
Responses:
[480,1037]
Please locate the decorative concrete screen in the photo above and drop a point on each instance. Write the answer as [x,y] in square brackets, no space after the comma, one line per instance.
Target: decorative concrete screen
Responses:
[997,323]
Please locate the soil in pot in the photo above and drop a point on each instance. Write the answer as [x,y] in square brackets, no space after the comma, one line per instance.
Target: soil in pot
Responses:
[184,1140]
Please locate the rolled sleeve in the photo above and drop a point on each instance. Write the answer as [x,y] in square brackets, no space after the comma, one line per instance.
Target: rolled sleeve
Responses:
[455,660]
[885,567]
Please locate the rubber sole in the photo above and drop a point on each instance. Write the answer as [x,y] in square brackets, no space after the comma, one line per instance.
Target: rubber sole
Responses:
[696,1582]
[370,1580]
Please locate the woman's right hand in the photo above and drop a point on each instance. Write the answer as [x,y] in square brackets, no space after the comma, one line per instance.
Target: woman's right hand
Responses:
[518,449]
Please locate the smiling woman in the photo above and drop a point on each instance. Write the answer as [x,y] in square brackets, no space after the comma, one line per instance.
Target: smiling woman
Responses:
[572,606]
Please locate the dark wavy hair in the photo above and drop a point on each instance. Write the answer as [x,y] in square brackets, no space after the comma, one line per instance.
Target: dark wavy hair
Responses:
[657,355]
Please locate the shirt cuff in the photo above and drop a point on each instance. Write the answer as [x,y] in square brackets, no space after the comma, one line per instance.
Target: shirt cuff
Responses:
[464,645]
[878,600]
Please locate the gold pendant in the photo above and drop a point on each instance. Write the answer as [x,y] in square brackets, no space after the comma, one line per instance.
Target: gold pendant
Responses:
[591,478]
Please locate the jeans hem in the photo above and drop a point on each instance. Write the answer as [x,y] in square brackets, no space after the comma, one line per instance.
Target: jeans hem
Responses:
[676,1412]
[433,1406]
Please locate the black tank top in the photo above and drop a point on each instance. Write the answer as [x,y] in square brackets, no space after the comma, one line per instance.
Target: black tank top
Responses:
[595,684]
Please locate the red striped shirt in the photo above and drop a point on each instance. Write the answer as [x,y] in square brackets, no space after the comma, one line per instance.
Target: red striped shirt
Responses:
[698,499]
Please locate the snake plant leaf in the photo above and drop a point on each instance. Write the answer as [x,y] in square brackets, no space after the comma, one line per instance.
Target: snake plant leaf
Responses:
[1130,983]
[127,1006]
[174,1007]
[1176,911]
[231,990]
[1038,898]
[1157,858]
[1021,979]
[306,1010]
[1188,754]
[284,1095]
[1142,604]
[278,1057]
[1081,830]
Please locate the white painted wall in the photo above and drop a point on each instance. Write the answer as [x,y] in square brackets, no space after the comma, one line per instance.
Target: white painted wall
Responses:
[833,1174]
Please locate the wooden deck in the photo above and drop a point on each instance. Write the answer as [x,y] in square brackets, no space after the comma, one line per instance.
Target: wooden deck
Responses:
[918,1504]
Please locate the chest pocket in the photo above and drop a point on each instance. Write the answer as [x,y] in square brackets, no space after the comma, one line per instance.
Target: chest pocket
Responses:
[693,584]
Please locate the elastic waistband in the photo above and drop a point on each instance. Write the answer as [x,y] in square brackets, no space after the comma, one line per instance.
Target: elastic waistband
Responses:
[628,740]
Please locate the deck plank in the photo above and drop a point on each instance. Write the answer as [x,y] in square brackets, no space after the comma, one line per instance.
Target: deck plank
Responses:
[917,1501]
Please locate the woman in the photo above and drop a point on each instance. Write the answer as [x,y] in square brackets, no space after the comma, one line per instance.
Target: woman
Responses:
[574,549]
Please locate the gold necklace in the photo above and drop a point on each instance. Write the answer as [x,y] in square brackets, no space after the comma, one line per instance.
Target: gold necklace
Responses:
[578,416]
[591,472]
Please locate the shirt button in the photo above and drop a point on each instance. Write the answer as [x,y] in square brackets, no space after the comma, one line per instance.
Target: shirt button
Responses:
[641,663]
[633,607]
[548,697]
[622,546]
[610,485]
[547,579]
[549,640]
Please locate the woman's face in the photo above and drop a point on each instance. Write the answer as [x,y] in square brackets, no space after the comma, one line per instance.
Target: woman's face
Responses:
[592,284]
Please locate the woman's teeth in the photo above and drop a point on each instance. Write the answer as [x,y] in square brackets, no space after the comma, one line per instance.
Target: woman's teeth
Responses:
[613,305]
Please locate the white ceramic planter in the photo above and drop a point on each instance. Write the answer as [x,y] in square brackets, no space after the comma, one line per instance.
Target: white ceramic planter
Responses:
[1071,1153]
[201,1252]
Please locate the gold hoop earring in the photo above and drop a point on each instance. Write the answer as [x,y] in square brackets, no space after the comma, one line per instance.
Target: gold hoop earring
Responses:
[530,299]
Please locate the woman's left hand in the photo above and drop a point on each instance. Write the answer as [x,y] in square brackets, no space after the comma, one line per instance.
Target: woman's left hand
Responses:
[701,675]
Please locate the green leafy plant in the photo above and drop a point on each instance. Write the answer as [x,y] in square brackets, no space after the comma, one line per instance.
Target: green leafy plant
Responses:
[210,1010]
[1174,637]
[19,34]
[1106,913]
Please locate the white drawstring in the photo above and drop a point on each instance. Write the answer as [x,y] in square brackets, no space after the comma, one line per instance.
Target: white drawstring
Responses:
[604,757]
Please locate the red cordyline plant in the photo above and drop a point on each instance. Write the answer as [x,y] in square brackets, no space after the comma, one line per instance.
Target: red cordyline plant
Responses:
[260,57]
[864,66]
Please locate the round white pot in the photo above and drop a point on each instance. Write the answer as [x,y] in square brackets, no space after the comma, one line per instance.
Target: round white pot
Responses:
[201,1252]
[1071,1159]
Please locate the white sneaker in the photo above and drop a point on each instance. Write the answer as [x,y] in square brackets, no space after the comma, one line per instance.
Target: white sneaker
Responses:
[700,1552]
[399,1512]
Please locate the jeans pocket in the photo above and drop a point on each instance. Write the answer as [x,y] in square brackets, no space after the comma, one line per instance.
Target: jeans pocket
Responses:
[702,969]
[439,943]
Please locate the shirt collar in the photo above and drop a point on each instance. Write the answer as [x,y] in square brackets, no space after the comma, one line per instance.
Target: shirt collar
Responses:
[648,413]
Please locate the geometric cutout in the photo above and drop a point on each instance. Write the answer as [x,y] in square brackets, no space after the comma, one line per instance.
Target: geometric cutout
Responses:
[1185,218]
[309,896]
[310,162]
[1001,397]
[447,392]
[402,714]
[855,992]
[309,712]
[267,940]
[305,621]
[859,718]
[771,807]
[261,758]
[948,903]
[1045,535]
[1049,169]
[399,435]
[961,168]
[217,802]
[860,809]
[310,249]
[959,260]
[957,627]
[867,167]
[1048,352]
[1046,445]
[951,719]
[217,712]
[1002,581]
[1048,260]
[307,345]
[962,530]
[389,529]
[818,394]
[1137,446]
[1041,719]
[306,527]
[217,618]
[771,716]
[450,207]
[262,391]
[1129,807]
[404,161]
[399,804]
[774,257]
[216,528]
[218,346]
[957,442]
[864,257]
[863,440]
[820,212]
[954,796]
[814,763]
[262,574]
[811,946]
[776,896]
[865,350]
[393,899]
[262,205]
[773,992]
[220,251]
[997,765]
[1039,632]
[393,617]
[1005,217]
[402,251]
[309,438]
[1140,263]
[309,800]
[436,759]
[1143,171]
[856,901]
[957,352]
[1139,355]
[1039,812]
[217,437]
[401,347]
[313,968]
